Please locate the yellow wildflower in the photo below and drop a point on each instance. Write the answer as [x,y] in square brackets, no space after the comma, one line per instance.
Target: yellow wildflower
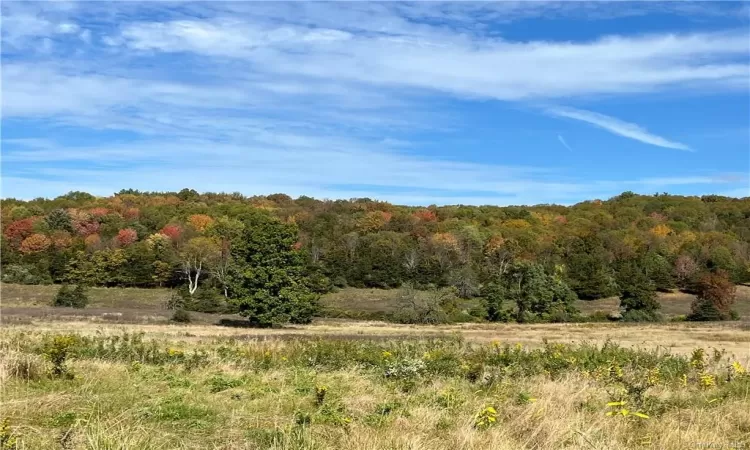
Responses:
[653,376]
[707,381]
[174,352]
[738,369]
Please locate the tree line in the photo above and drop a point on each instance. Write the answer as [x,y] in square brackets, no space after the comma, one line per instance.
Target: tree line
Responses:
[270,256]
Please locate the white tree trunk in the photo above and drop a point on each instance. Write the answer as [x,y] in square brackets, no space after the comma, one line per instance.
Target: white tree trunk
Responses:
[193,283]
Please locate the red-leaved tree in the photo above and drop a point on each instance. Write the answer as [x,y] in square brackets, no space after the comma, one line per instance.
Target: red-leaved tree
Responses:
[126,237]
[173,232]
[19,230]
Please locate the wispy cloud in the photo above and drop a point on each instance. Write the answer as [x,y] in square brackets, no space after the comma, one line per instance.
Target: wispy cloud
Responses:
[318,98]
[562,141]
[617,126]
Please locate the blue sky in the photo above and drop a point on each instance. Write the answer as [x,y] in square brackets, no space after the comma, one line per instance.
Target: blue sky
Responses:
[414,103]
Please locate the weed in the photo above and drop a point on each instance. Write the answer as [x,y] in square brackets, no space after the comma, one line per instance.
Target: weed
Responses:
[56,350]
[8,440]
[218,383]
[486,418]
[524,398]
[64,419]
[320,394]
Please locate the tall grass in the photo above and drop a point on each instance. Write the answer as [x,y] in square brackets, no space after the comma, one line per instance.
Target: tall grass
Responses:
[131,391]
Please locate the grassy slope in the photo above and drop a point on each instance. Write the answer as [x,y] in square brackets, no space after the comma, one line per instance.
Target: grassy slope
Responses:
[21,295]
[374,300]
[131,300]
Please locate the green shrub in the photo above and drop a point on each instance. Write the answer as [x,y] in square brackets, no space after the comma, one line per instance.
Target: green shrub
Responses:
[181,316]
[598,316]
[429,308]
[704,311]
[56,350]
[206,300]
[75,297]
[177,299]
[23,274]
[639,315]
[559,314]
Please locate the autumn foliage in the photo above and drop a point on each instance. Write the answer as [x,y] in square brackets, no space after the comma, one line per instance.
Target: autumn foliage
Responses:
[172,231]
[98,212]
[131,213]
[35,243]
[425,215]
[92,241]
[715,296]
[200,221]
[61,239]
[126,237]
[365,243]
[20,229]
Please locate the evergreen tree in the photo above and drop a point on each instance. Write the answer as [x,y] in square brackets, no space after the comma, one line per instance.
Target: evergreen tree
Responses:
[270,289]
[660,271]
[637,293]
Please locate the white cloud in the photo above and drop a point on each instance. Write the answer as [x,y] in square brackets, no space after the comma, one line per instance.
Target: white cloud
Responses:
[616,126]
[562,141]
[302,98]
[67,28]
[456,63]
[303,164]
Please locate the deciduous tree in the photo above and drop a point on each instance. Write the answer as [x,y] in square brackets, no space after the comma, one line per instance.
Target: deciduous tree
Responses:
[195,259]
[126,237]
[34,244]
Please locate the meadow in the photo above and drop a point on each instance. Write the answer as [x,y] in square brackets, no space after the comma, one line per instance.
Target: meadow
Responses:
[134,305]
[371,385]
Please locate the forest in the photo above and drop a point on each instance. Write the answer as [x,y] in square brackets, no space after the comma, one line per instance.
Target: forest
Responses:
[269,257]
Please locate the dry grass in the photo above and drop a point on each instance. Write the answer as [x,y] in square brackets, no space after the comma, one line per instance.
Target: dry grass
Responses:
[678,337]
[115,404]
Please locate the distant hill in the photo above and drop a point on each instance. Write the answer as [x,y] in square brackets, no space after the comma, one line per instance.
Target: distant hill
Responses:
[139,239]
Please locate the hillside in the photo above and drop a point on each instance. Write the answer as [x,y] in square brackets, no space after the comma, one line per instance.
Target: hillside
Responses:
[592,249]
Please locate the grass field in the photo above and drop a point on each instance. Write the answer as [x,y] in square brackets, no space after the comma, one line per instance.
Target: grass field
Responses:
[84,385]
[116,375]
[20,302]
